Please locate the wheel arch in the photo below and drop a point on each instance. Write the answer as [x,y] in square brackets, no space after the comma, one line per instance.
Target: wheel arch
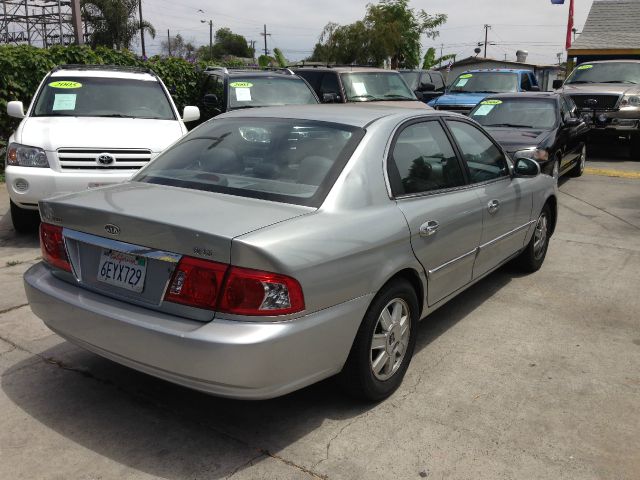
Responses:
[552,201]
[413,277]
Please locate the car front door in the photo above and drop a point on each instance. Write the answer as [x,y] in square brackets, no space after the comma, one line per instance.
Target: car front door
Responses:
[444,217]
[570,134]
[506,201]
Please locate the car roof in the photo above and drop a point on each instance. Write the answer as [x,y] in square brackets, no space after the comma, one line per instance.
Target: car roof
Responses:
[246,72]
[343,68]
[500,70]
[346,114]
[622,60]
[106,73]
[527,95]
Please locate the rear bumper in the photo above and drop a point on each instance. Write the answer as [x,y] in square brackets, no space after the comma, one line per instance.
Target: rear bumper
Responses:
[248,360]
[28,185]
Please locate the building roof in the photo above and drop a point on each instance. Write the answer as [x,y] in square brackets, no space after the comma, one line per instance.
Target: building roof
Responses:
[611,25]
[507,63]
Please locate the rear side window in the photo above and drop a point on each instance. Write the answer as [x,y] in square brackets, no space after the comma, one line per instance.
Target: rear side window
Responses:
[423,160]
[484,160]
[436,79]
[525,82]
[286,160]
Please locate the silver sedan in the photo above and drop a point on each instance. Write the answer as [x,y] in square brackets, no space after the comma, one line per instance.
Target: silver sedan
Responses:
[270,249]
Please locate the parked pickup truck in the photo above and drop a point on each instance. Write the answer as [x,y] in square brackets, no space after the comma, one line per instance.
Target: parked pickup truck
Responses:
[471,87]
[607,94]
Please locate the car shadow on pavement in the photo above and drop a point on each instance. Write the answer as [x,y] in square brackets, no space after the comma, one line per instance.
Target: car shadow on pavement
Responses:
[9,238]
[172,432]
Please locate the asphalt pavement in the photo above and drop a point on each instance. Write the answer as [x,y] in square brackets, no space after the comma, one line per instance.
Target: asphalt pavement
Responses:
[520,377]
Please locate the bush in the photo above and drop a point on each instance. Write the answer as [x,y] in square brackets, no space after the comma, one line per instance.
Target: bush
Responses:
[23,67]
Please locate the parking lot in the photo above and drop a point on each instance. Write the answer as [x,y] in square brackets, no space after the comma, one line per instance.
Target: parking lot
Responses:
[527,377]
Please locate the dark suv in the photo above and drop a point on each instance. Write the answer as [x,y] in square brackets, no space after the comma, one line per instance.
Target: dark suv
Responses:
[427,84]
[347,84]
[226,89]
[607,94]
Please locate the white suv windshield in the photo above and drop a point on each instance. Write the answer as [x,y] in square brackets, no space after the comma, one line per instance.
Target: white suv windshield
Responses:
[292,161]
[102,97]
[375,86]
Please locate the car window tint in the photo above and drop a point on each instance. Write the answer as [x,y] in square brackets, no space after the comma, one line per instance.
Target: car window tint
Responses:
[436,79]
[423,160]
[329,84]
[287,160]
[215,86]
[525,82]
[484,160]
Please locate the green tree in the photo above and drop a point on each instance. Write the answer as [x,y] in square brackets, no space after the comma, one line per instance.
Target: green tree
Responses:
[429,60]
[178,47]
[114,23]
[280,58]
[229,43]
[389,29]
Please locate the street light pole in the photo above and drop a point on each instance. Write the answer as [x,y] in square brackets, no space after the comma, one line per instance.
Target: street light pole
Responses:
[210,37]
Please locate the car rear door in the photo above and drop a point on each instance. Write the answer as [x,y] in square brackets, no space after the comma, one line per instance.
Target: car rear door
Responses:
[444,217]
[506,203]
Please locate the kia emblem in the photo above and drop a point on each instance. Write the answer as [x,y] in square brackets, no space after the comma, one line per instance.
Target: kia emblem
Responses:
[105,159]
[112,229]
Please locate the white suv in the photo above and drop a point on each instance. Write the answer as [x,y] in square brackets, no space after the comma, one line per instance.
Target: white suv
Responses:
[87,126]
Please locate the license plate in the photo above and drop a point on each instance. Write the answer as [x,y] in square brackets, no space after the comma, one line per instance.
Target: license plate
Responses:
[122,270]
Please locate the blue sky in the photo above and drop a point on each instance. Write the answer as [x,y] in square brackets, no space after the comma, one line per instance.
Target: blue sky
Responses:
[533,25]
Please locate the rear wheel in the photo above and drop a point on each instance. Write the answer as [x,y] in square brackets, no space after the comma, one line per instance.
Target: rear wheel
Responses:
[24,221]
[578,169]
[384,344]
[531,259]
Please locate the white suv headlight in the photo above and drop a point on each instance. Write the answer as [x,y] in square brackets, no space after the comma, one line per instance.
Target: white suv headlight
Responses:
[630,101]
[538,154]
[25,156]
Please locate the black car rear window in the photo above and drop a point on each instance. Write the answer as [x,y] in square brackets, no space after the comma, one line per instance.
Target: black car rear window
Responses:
[285,160]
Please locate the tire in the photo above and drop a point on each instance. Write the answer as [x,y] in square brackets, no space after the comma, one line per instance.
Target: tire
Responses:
[532,258]
[578,168]
[368,374]
[24,221]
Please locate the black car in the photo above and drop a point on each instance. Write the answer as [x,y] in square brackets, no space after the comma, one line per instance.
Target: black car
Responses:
[542,126]
[226,89]
[427,84]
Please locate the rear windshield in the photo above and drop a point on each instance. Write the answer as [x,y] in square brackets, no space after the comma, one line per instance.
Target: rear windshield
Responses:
[285,160]
[102,97]
[610,72]
[269,91]
[485,82]
[516,113]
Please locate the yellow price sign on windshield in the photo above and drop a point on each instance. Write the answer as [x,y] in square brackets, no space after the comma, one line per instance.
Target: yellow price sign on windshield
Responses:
[65,84]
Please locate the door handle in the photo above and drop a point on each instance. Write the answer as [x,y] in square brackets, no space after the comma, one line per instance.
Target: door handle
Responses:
[429,228]
[493,206]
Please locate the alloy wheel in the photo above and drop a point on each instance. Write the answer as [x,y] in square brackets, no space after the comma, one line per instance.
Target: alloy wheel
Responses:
[390,339]
[540,236]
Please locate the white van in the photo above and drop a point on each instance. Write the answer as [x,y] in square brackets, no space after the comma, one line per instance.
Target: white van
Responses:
[87,126]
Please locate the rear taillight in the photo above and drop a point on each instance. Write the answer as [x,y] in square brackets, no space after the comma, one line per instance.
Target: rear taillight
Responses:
[52,246]
[253,292]
[239,291]
[196,283]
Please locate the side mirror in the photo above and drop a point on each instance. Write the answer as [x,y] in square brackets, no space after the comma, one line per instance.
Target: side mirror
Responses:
[190,114]
[426,87]
[526,168]
[534,88]
[557,84]
[210,100]
[15,109]
[419,95]
[330,97]
[572,121]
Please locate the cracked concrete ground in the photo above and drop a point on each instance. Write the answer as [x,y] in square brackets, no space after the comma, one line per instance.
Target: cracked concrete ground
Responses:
[520,377]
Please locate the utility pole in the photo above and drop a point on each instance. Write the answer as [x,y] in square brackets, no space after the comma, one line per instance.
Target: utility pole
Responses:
[211,39]
[441,49]
[59,22]
[76,19]
[144,52]
[6,25]
[265,35]
[486,38]
[168,42]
